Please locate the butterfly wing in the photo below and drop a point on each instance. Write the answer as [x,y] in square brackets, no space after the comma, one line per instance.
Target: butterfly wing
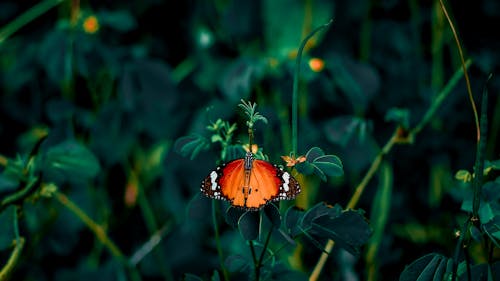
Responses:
[270,183]
[267,183]
[225,182]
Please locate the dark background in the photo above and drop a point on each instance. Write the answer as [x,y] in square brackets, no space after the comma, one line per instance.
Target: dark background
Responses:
[144,79]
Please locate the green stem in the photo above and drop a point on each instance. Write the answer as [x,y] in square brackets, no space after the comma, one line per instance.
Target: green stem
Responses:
[466,75]
[149,218]
[13,259]
[16,253]
[458,248]
[481,148]
[296,84]
[254,257]
[217,241]
[439,99]
[99,233]
[26,18]
[378,160]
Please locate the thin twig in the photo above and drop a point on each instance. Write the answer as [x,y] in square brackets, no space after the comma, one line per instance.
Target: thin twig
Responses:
[96,228]
[467,82]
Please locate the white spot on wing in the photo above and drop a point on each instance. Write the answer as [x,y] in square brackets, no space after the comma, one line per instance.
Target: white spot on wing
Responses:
[213,177]
[286,181]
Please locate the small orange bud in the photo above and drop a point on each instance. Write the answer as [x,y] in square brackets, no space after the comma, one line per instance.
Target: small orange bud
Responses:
[316,64]
[131,191]
[91,24]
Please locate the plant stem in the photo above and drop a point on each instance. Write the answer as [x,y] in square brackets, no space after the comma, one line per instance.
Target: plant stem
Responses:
[152,225]
[378,160]
[296,85]
[353,202]
[18,247]
[26,18]
[254,257]
[97,229]
[13,259]
[436,103]
[467,82]
[217,241]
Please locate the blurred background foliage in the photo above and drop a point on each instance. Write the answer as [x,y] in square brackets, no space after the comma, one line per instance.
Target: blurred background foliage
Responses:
[94,95]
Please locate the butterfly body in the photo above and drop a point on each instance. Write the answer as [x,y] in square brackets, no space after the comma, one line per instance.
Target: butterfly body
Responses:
[249,183]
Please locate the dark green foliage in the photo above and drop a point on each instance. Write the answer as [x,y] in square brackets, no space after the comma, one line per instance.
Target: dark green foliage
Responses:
[113,112]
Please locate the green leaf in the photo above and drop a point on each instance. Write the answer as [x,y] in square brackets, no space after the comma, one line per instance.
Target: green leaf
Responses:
[118,20]
[349,230]
[249,225]
[273,214]
[463,175]
[7,235]
[191,145]
[485,212]
[342,129]
[233,216]
[9,178]
[314,153]
[329,168]
[236,263]
[320,164]
[191,277]
[291,220]
[71,161]
[427,268]
[305,168]
[215,276]
[282,31]
[399,115]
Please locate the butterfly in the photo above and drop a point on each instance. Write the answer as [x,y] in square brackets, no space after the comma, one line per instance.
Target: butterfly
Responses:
[249,183]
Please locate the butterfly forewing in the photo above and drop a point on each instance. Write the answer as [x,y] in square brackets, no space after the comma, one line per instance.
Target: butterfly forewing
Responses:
[224,182]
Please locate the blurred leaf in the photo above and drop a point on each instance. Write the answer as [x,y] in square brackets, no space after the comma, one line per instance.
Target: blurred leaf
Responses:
[349,230]
[191,145]
[491,165]
[191,277]
[340,130]
[429,267]
[71,161]
[236,263]
[249,225]
[492,229]
[7,235]
[485,212]
[215,276]
[283,31]
[399,115]
[12,174]
[463,175]
[119,20]
[233,216]
[273,214]
[238,79]
[358,81]
[380,212]
[53,56]
[475,233]
[291,220]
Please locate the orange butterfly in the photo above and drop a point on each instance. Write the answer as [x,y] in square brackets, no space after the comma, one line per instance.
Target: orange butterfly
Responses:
[249,184]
